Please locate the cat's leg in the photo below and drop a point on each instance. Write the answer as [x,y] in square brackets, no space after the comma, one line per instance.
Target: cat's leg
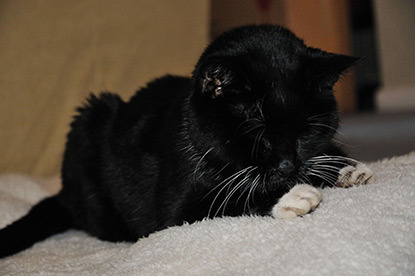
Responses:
[304,198]
[354,175]
[335,169]
[300,200]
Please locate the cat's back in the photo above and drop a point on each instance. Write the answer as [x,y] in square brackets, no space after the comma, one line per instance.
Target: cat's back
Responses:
[106,117]
[152,109]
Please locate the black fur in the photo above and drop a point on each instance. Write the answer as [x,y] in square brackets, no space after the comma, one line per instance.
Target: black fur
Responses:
[259,102]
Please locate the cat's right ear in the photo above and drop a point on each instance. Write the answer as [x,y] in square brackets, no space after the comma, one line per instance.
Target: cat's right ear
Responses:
[326,68]
[214,79]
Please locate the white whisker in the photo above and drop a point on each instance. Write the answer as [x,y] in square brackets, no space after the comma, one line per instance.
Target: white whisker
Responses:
[335,158]
[253,187]
[226,182]
[327,126]
[199,164]
[320,176]
[252,129]
[343,143]
[260,106]
[263,188]
[229,195]
[237,186]
[247,121]
[319,116]
[215,175]
[324,173]
[326,177]
[326,167]
[304,178]
[325,162]
[228,179]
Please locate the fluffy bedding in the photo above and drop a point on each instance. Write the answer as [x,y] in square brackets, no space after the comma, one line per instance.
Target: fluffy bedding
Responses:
[366,230]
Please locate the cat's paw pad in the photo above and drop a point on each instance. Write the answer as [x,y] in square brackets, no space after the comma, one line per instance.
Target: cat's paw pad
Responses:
[300,200]
[354,176]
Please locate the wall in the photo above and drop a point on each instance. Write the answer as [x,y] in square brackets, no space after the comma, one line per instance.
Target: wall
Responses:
[53,53]
[227,14]
[395,22]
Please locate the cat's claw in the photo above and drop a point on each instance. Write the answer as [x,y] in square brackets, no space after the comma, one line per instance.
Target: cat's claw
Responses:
[354,176]
[300,200]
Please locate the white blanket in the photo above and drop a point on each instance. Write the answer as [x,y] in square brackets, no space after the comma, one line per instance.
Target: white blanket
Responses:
[366,230]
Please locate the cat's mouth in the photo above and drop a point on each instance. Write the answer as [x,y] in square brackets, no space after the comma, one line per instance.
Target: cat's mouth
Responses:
[275,176]
[286,170]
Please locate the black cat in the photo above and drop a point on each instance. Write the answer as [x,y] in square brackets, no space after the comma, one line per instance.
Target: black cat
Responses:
[256,118]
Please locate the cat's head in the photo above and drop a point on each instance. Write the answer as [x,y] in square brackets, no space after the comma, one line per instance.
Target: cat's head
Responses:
[270,96]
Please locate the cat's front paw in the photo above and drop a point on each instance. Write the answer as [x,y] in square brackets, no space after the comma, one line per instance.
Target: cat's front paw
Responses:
[300,200]
[354,176]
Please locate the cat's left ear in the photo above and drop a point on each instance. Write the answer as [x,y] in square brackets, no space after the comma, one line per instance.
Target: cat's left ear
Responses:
[214,78]
[326,68]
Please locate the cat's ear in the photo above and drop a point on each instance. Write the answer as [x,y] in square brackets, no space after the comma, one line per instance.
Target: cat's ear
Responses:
[215,78]
[326,68]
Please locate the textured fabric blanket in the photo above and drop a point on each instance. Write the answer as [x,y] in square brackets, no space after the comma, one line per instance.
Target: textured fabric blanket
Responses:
[366,230]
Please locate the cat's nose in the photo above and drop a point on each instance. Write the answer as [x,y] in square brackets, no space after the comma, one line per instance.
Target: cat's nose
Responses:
[286,167]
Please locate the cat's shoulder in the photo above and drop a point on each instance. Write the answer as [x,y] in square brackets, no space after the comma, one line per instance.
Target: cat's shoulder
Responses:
[98,108]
